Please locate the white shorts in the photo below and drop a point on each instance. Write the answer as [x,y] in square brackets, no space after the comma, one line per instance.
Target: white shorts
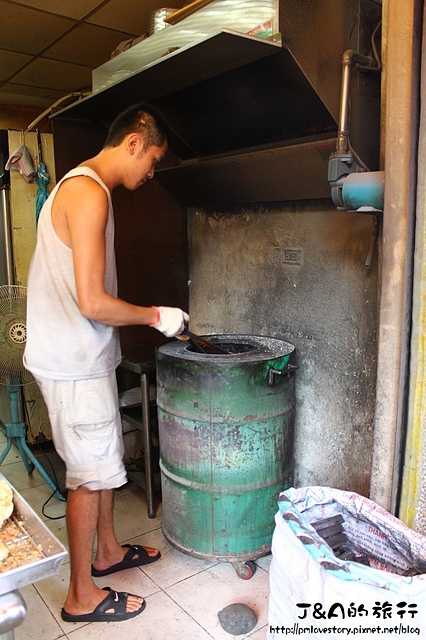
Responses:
[86,430]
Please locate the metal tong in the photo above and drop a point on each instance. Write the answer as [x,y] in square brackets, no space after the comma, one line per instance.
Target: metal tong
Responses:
[201,344]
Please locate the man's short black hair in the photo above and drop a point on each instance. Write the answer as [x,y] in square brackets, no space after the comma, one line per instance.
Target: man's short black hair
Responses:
[143,119]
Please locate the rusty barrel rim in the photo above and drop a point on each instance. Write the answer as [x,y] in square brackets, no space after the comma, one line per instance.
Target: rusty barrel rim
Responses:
[260,348]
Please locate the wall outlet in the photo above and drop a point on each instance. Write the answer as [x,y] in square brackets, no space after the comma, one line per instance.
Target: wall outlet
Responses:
[293,257]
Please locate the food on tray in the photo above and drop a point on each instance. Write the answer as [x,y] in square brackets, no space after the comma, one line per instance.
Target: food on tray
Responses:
[4,551]
[17,549]
[6,502]
[21,549]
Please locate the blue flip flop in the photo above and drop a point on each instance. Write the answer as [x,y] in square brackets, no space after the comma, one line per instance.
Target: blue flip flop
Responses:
[115,600]
[136,556]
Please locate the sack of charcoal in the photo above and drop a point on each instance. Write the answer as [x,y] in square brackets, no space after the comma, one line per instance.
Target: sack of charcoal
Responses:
[342,565]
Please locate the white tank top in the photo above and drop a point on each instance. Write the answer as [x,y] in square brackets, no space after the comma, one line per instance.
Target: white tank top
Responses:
[61,343]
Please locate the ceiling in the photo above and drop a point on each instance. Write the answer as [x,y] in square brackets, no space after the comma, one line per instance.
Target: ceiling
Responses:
[48,48]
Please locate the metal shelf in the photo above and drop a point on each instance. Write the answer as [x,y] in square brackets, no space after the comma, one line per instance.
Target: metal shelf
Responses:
[188,66]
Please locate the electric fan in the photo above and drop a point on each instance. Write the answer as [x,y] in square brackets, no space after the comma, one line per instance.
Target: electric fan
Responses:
[13,374]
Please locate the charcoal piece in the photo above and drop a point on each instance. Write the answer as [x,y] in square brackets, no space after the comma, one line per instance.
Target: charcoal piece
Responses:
[237,619]
[337,541]
[327,522]
[412,571]
[345,554]
[330,531]
[362,560]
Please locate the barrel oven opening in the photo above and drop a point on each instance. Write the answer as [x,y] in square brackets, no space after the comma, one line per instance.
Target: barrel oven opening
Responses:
[229,347]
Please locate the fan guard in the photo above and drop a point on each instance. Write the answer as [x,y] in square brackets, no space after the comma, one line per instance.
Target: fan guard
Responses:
[13,335]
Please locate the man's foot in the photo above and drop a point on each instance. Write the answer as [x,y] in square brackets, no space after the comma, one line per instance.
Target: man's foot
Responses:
[135,556]
[116,606]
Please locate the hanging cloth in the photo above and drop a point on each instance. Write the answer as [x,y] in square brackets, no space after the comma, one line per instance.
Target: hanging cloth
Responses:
[22,161]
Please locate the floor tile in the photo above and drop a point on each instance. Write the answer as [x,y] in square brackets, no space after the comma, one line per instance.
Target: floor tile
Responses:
[54,590]
[131,518]
[260,634]
[58,529]
[184,594]
[42,502]
[39,621]
[265,562]
[162,619]
[12,456]
[14,471]
[173,566]
[205,594]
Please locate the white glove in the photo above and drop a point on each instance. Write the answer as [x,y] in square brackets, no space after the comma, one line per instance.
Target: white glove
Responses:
[170,321]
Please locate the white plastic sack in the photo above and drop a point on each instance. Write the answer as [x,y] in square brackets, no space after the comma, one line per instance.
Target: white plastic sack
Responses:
[313,593]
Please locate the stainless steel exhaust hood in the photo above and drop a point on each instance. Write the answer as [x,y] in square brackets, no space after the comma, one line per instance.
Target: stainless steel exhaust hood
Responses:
[255,120]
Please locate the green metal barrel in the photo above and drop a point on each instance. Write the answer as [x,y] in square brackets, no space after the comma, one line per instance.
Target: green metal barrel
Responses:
[226,444]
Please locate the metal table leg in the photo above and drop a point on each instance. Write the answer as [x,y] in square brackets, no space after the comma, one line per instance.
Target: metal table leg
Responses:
[146,439]
[12,613]
[144,370]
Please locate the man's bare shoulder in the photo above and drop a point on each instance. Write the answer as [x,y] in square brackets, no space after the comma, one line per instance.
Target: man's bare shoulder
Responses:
[83,182]
[81,188]
[79,202]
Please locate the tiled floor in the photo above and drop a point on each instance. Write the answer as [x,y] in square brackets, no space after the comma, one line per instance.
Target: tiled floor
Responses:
[183,594]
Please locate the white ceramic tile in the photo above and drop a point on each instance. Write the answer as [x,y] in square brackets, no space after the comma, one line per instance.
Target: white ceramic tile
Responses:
[54,590]
[131,580]
[260,634]
[131,519]
[265,562]
[39,621]
[130,513]
[184,594]
[12,456]
[162,619]
[59,530]
[173,566]
[207,593]
[38,496]
[14,470]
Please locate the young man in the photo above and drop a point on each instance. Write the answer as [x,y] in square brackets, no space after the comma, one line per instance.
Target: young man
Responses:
[72,350]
